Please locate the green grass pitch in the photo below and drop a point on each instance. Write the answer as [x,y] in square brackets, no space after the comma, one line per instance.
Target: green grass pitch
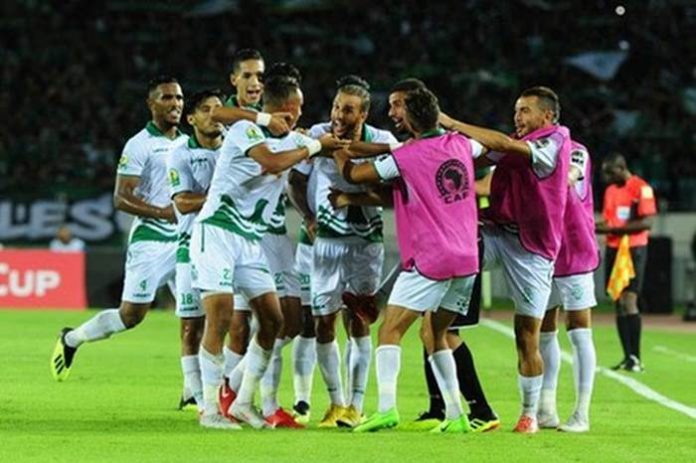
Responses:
[120,405]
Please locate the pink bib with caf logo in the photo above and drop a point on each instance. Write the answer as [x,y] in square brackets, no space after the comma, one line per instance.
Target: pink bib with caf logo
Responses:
[435,207]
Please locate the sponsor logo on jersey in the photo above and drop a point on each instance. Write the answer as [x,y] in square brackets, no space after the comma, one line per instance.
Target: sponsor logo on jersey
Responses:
[174,179]
[253,134]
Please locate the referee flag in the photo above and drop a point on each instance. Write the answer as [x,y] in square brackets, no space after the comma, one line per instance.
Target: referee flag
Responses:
[622,272]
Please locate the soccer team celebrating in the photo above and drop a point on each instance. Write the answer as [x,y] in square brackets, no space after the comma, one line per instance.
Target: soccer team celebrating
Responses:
[210,221]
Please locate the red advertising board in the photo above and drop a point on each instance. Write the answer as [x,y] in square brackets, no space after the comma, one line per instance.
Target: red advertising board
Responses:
[41,279]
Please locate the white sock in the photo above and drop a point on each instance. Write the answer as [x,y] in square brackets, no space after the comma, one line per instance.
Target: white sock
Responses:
[348,362]
[584,365]
[330,366]
[388,363]
[271,379]
[550,351]
[257,360]
[191,368]
[211,377]
[234,380]
[530,389]
[361,354]
[101,326]
[304,355]
[442,361]
[231,360]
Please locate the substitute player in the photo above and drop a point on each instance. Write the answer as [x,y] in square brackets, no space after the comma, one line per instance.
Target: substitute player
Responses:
[528,197]
[190,169]
[142,190]
[225,250]
[573,289]
[436,224]
[347,257]
[629,204]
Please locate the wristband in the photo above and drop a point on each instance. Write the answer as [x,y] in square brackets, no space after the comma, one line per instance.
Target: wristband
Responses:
[313,146]
[395,146]
[263,119]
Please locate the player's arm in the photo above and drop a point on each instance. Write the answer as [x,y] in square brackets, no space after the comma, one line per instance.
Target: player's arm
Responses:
[276,122]
[187,202]
[275,163]
[491,139]
[630,227]
[297,193]
[482,186]
[361,149]
[126,200]
[372,197]
[355,173]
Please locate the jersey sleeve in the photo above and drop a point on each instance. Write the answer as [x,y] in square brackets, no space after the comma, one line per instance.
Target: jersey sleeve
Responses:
[386,167]
[246,135]
[545,153]
[132,161]
[179,173]
[646,201]
[476,149]
[317,130]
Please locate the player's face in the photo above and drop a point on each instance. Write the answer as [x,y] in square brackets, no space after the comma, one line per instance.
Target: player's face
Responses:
[294,107]
[397,111]
[201,119]
[248,80]
[529,116]
[612,174]
[347,116]
[166,104]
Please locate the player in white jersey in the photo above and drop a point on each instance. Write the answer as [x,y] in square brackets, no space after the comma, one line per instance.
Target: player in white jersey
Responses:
[142,190]
[225,250]
[347,258]
[190,170]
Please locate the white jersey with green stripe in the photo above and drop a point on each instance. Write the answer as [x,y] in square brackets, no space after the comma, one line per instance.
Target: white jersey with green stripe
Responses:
[190,169]
[242,199]
[352,221]
[145,156]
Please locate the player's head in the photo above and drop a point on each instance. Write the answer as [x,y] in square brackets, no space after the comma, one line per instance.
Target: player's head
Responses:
[422,111]
[397,104]
[64,234]
[535,108]
[282,92]
[200,110]
[351,106]
[165,100]
[614,169]
[247,76]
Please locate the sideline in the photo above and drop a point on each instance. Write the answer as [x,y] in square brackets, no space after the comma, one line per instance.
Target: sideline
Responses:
[636,386]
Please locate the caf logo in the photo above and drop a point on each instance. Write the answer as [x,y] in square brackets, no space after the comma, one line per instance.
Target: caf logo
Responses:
[452,181]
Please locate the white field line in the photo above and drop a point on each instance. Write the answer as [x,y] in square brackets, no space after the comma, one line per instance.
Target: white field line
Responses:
[636,386]
[674,353]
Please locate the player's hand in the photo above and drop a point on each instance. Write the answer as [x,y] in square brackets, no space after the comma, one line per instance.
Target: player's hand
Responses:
[279,124]
[330,143]
[445,121]
[167,213]
[311,226]
[338,199]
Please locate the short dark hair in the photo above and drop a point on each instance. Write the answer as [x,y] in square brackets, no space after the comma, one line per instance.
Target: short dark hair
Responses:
[245,54]
[407,85]
[422,109]
[548,99]
[194,101]
[284,70]
[356,86]
[615,159]
[159,80]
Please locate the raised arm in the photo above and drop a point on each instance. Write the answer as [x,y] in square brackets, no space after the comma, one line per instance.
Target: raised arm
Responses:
[276,122]
[491,139]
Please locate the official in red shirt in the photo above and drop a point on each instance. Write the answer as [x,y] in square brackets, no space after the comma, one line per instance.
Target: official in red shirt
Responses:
[629,204]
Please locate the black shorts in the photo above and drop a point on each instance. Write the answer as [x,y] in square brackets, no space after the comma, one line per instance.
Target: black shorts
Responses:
[472,316]
[639,254]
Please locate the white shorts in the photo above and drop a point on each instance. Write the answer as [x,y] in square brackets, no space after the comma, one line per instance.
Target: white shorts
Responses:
[149,265]
[225,262]
[575,292]
[340,266]
[527,275]
[415,292]
[281,260]
[188,301]
[303,269]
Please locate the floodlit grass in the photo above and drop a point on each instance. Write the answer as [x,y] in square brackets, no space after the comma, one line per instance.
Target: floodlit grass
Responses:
[120,405]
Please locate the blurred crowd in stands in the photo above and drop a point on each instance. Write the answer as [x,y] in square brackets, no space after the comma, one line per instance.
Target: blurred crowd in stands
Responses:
[73,74]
